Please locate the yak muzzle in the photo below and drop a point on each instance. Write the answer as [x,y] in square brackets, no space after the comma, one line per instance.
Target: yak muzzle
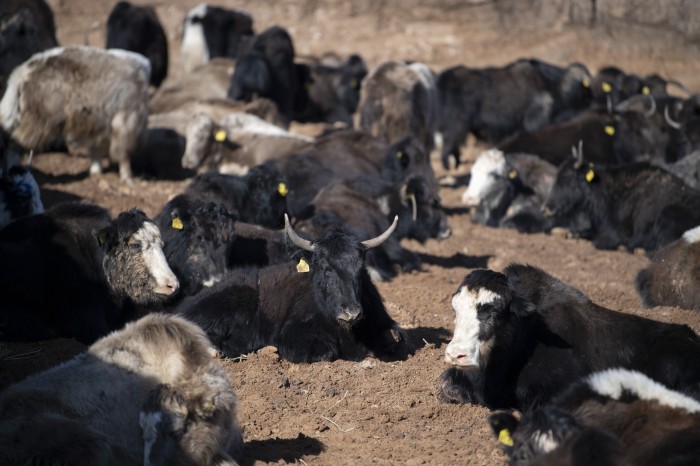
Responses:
[168,288]
[349,315]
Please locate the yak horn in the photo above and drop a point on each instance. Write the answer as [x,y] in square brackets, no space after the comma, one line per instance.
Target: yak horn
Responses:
[679,86]
[374,242]
[671,123]
[411,197]
[578,154]
[414,206]
[652,110]
[296,239]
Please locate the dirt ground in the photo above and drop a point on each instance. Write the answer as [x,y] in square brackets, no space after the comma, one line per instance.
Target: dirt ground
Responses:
[375,412]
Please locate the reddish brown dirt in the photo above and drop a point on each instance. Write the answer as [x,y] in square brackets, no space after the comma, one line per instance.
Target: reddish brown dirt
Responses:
[375,412]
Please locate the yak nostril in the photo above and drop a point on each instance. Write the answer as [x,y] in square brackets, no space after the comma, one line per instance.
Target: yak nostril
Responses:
[168,288]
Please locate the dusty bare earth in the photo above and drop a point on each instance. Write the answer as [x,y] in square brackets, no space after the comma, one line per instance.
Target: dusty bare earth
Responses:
[375,412]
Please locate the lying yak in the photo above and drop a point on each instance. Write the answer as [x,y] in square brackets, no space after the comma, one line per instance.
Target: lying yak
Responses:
[323,308]
[74,272]
[522,336]
[612,417]
[88,410]
[671,278]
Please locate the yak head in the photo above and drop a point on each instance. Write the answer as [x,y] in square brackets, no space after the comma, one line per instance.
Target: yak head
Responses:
[421,212]
[266,196]
[337,267]
[573,198]
[198,238]
[133,261]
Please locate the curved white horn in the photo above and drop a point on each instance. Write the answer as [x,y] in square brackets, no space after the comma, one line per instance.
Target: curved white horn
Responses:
[296,239]
[652,110]
[374,242]
[671,123]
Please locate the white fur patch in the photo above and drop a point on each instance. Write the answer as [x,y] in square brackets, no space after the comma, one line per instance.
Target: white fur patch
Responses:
[143,63]
[194,48]
[9,105]
[489,164]
[692,236]
[211,281]
[613,382]
[465,347]
[545,441]
[238,122]
[152,249]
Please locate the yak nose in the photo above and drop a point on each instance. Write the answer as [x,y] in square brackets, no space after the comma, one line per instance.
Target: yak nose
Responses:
[349,314]
[169,287]
[457,357]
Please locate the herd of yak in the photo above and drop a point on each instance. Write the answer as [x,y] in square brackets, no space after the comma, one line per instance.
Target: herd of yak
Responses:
[279,238]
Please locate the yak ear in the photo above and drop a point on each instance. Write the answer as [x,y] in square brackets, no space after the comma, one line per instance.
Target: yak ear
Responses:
[521,307]
[503,424]
[104,238]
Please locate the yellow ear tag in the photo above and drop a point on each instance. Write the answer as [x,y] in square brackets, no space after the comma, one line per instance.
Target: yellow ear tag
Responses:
[505,438]
[220,136]
[586,83]
[177,223]
[101,239]
[512,174]
[590,175]
[606,87]
[610,130]
[646,90]
[282,189]
[302,266]
[399,154]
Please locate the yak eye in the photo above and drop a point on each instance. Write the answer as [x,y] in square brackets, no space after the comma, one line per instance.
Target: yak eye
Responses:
[135,246]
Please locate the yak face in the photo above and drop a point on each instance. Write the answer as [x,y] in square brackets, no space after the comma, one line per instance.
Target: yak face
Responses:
[197,240]
[488,168]
[349,82]
[540,433]
[571,199]
[407,157]
[337,267]
[422,212]
[199,136]
[133,260]
[575,87]
[266,201]
[481,305]
[193,424]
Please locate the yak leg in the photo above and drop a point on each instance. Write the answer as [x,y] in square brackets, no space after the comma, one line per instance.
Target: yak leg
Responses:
[127,129]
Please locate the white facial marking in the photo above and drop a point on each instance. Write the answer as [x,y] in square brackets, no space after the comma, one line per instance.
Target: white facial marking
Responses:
[692,236]
[464,349]
[490,162]
[194,46]
[149,425]
[613,382]
[198,137]
[211,281]
[152,249]
[545,441]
